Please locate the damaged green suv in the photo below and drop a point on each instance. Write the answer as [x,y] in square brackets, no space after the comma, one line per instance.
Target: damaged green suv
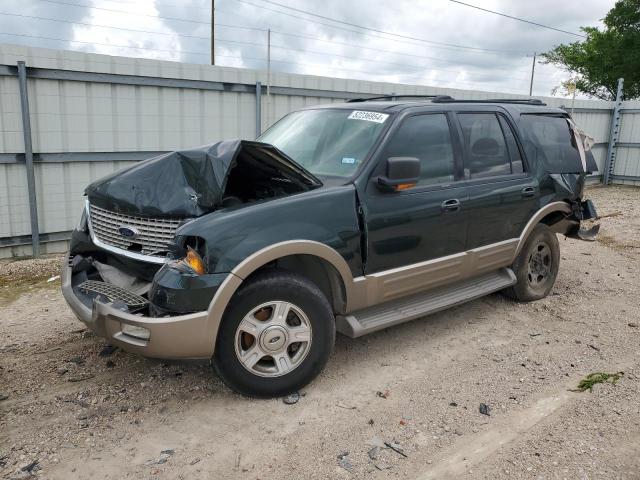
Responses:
[348,218]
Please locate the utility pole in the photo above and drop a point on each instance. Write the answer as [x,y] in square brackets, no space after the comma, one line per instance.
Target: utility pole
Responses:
[533,71]
[268,64]
[269,76]
[213,31]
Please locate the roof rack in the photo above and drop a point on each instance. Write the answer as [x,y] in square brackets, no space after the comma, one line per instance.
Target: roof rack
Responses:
[517,101]
[394,97]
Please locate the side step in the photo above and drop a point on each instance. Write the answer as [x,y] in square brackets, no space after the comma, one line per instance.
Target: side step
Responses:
[395,312]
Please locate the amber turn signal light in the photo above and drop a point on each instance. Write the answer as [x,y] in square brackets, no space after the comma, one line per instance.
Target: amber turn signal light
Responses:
[404,186]
[195,261]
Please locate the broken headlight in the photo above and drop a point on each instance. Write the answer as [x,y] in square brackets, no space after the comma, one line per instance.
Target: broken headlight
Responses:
[192,262]
[83,223]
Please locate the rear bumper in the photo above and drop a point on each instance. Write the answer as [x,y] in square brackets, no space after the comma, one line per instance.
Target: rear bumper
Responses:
[180,337]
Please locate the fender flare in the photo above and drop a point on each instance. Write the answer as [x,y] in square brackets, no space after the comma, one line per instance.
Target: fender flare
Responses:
[562,207]
[262,257]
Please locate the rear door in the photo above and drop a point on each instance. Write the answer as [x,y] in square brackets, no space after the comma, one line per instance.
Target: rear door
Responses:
[429,220]
[503,194]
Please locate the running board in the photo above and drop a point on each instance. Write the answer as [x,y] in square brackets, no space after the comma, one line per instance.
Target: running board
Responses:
[395,312]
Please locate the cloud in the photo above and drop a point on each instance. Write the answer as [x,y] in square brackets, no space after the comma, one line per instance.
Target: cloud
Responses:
[321,47]
[18,25]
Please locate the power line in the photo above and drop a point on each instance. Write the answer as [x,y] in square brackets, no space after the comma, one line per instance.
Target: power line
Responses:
[364,35]
[332,67]
[225,25]
[513,18]
[314,52]
[125,11]
[172,5]
[407,37]
[58,2]
[102,44]
[102,26]
[379,50]
[198,37]
[229,41]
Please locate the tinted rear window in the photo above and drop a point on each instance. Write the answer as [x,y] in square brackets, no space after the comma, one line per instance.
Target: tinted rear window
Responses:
[549,140]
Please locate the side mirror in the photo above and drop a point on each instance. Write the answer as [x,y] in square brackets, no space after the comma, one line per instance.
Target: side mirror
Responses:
[402,173]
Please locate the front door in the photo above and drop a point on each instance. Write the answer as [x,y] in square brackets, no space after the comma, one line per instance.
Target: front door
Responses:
[429,220]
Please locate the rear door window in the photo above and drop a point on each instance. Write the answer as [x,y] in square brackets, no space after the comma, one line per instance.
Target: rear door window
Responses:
[485,145]
[428,138]
[548,140]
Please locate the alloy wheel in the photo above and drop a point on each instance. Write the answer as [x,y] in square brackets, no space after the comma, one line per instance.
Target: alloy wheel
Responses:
[273,339]
[539,265]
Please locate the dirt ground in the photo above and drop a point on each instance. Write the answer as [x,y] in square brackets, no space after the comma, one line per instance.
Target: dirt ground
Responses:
[80,412]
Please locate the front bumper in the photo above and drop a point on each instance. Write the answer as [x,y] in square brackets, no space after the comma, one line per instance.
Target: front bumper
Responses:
[188,336]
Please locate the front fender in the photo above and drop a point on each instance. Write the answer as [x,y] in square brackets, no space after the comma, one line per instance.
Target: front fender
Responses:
[326,216]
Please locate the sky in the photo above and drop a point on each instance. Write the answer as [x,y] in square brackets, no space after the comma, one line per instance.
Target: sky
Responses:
[435,42]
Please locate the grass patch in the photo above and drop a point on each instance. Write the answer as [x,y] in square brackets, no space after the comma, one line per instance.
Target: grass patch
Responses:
[19,277]
[590,380]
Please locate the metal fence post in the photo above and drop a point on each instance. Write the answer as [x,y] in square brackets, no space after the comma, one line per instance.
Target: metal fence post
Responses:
[258,109]
[28,155]
[614,134]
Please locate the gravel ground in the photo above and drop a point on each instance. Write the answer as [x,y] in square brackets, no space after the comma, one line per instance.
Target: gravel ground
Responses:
[401,403]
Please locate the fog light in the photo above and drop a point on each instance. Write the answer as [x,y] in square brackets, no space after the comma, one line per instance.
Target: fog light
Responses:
[135,331]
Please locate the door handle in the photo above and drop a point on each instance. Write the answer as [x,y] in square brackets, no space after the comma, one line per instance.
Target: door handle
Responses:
[452,205]
[528,192]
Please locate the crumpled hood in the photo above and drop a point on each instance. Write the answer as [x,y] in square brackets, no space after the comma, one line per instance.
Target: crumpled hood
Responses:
[186,183]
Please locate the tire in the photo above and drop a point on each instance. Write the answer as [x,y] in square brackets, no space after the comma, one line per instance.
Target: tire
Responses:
[253,328]
[536,266]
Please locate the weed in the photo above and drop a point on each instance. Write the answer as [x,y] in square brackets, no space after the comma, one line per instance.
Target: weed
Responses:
[590,380]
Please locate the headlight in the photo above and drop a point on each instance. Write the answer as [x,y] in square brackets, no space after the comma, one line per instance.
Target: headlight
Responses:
[191,263]
[194,260]
[82,224]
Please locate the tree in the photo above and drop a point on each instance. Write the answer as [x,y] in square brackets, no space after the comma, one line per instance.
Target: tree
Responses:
[604,56]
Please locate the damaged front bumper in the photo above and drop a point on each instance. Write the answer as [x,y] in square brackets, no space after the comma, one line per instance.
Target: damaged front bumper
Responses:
[170,337]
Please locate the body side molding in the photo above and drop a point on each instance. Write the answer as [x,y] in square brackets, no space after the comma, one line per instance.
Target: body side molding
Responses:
[380,287]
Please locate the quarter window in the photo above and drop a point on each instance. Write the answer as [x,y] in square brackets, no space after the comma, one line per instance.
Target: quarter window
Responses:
[549,140]
[426,137]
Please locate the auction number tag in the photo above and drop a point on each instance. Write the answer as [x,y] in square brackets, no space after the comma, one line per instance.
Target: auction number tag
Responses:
[368,116]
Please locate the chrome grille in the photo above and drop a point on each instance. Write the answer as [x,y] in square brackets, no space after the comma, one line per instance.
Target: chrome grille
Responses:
[154,235]
[113,293]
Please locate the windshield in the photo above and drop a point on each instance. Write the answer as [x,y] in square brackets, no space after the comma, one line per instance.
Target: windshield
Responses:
[327,142]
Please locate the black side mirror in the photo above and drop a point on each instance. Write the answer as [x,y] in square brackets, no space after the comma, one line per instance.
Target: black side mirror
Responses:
[402,173]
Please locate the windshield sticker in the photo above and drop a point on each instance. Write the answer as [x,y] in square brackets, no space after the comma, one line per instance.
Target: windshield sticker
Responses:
[348,160]
[368,116]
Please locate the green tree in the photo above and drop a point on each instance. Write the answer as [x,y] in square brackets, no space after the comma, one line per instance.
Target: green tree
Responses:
[605,55]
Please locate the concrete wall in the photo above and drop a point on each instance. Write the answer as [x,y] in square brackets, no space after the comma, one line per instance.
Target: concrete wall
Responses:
[86,127]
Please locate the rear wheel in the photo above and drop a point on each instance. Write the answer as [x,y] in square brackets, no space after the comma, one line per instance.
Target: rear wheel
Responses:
[276,335]
[536,266]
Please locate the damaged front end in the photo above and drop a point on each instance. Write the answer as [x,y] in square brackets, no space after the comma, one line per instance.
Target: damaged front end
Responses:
[131,277]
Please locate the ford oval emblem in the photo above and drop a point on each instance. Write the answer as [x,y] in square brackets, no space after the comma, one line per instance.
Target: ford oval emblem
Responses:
[128,232]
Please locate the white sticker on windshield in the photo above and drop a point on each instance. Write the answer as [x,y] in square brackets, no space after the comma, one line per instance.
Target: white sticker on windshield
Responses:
[368,116]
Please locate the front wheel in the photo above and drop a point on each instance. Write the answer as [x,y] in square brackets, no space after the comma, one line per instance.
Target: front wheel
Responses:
[536,266]
[276,335]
